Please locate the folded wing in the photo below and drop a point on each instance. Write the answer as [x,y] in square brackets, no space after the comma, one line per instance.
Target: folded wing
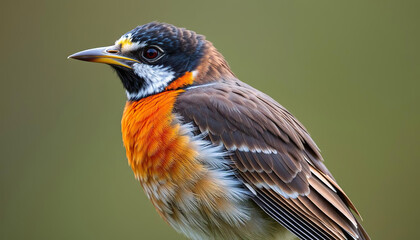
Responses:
[275,157]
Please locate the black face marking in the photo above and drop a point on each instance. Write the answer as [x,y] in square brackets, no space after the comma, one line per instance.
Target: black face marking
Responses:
[181,51]
[131,82]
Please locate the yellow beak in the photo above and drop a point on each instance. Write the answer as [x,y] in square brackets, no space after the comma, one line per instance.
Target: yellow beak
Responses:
[109,55]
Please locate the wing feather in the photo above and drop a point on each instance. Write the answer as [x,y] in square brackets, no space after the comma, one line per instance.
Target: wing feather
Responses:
[275,156]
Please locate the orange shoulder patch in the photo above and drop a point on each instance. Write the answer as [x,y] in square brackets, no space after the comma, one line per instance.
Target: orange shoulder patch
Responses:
[183,81]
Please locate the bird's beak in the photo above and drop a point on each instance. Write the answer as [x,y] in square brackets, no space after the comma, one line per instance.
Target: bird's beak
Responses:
[109,55]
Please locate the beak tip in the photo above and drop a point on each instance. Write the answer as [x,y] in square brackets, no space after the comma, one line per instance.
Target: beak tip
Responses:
[75,56]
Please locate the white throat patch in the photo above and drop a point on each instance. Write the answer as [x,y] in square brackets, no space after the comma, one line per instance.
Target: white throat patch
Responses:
[156,78]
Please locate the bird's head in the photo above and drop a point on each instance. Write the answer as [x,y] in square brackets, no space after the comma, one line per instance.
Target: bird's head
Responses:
[157,56]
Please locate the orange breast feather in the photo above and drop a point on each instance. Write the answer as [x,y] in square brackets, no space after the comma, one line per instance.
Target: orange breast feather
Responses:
[154,146]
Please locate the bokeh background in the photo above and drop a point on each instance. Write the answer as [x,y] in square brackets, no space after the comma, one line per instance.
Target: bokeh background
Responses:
[349,71]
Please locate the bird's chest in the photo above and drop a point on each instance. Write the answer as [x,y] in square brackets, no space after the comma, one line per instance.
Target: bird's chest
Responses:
[188,180]
[159,154]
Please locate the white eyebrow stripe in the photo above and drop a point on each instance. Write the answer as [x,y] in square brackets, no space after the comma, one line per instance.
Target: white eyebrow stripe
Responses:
[127,43]
[133,46]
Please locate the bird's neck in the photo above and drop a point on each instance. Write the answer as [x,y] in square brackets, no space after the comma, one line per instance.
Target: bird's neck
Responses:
[213,67]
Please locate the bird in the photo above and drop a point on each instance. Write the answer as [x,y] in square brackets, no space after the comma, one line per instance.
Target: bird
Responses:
[218,158]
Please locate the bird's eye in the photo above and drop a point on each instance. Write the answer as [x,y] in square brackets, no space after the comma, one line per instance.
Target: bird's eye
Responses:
[152,53]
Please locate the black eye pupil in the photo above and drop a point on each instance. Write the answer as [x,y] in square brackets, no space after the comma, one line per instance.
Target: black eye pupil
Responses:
[151,53]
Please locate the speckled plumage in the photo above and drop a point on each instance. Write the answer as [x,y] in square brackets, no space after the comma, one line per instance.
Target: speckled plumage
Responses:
[218,158]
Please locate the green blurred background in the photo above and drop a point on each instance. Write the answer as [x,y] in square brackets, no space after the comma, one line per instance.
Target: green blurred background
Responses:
[348,70]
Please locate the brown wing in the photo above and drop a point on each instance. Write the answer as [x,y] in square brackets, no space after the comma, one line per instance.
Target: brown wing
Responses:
[275,158]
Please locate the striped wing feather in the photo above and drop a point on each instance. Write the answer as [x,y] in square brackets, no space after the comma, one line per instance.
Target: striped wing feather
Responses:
[275,156]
